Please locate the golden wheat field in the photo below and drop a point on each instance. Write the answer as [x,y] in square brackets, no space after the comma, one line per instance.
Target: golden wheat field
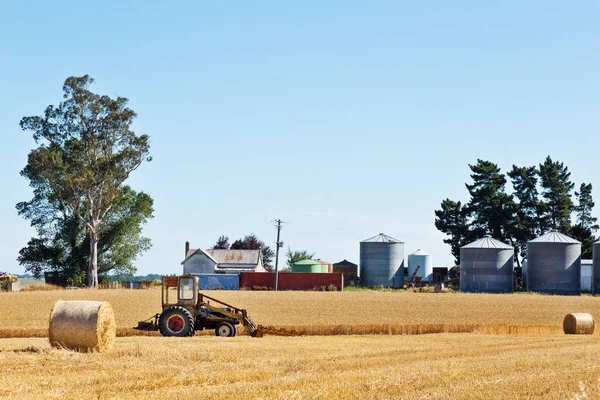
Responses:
[444,366]
[325,313]
[319,345]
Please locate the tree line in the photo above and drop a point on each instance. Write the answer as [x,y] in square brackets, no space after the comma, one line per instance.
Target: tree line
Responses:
[542,199]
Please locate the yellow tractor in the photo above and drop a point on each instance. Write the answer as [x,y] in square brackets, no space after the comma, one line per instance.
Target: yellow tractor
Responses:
[185,310]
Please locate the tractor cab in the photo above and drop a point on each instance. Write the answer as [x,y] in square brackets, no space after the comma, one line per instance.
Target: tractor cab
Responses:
[180,291]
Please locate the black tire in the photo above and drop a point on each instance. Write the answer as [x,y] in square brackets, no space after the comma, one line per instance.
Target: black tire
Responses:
[176,321]
[224,329]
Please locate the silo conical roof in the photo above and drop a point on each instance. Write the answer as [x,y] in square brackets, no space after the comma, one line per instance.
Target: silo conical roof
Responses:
[554,237]
[419,252]
[487,242]
[381,238]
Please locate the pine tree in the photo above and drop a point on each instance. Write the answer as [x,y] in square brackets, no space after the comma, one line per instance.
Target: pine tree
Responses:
[585,228]
[452,219]
[556,190]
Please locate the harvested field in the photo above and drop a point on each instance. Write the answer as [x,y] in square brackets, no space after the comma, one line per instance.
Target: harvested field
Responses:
[458,366]
[324,313]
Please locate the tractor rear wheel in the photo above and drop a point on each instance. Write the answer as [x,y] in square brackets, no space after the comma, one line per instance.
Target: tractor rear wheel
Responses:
[176,321]
[224,329]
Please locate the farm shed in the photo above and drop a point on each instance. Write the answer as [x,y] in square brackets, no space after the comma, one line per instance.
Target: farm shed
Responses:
[596,269]
[349,270]
[382,261]
[587,270]
[292,281]
[486,266]
[554,264]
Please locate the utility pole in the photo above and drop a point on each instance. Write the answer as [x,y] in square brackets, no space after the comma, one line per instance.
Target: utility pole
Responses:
[278,244]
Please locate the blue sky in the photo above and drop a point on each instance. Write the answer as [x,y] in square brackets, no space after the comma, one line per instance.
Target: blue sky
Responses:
[343,118]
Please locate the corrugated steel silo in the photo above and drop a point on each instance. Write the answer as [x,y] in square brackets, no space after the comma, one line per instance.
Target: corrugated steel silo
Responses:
[382,262]
[424,261]
[524,273]
[486,266]
[596,269]
[554,264]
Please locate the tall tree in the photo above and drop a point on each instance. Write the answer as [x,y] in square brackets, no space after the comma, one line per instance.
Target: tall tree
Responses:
[298,255]
[452,219]
[491,208]
[87,152]
[528,222]
[222,243]
[62,246]
[251,242]
[556,190]
[586,225]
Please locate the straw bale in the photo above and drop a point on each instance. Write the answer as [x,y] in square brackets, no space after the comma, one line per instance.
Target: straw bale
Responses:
[82,325]
[579,324]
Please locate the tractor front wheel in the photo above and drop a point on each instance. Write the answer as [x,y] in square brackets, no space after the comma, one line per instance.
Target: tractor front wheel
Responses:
[176,321]
[224,329]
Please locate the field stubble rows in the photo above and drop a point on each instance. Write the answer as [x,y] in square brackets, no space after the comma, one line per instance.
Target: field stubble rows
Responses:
[316,367]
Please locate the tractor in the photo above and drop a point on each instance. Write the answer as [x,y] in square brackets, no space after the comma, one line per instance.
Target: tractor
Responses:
[185,311]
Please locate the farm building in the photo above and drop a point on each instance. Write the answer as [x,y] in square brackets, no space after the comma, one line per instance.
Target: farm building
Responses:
[486,266]
[587,269]
[554,264]
[198,261]
[382,261]
[349,270]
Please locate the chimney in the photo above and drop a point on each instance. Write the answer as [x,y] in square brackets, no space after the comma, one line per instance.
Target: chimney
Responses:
[187,248]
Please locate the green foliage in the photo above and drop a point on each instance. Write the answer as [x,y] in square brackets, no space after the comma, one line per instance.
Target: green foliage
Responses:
[586,227]
[62,247]
[453,220]
[297,255]
[556,191]
[87,151]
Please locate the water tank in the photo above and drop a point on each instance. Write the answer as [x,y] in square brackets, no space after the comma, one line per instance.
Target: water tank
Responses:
[308,266]
[486,266]
[596,269]
[425,263]
[382,262]
[554,264]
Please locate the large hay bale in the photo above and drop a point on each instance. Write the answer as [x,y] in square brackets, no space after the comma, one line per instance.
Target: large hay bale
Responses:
[82,325]
[579,324]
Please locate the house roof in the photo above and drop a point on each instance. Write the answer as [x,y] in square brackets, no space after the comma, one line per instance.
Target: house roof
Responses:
[554,237]
[487,242]
[381,238]
[345,262]
[191,252]
[235,256]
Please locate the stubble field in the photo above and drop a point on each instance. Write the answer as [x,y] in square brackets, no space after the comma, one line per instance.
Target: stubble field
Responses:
[515,348]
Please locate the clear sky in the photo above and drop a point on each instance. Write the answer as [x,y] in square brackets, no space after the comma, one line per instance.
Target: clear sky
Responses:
[344,118]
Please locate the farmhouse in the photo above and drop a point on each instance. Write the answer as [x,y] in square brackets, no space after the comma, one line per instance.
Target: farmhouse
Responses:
[198,261]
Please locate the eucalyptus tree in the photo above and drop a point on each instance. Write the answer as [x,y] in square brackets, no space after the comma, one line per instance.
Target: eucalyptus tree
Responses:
[87,150]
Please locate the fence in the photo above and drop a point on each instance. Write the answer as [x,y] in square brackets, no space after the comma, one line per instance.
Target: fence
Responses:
[291,280]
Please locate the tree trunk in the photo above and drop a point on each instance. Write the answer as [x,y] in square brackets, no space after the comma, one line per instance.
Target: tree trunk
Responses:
[93,265]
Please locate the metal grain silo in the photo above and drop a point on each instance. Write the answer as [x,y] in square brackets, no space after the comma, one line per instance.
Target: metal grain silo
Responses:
[554,264]
[486,266]
[596,269]
[382,262]
[425,263]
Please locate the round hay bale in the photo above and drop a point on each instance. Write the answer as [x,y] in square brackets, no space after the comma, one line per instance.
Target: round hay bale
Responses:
[579,324]
[82,325]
